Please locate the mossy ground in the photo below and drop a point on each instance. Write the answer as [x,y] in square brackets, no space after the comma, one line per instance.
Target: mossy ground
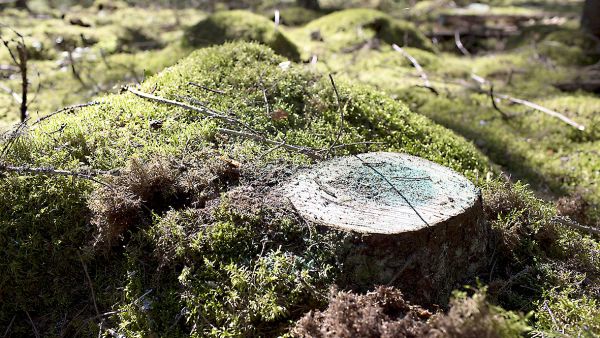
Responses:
[186,241]
[121,45]
[239,25]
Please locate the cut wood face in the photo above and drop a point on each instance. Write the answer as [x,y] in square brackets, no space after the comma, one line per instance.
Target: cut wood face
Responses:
[382,192]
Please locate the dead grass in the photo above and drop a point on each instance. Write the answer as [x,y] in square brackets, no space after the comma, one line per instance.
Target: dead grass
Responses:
[576,207]
[385,313]
[156,187]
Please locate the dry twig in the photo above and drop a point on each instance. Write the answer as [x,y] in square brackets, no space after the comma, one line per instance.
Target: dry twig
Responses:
[505,116]
[460,45]
[312,153]
[368,165]
[417,66]
[9,326]
[216,91]
[88,174]
[202,110]
[526,103]
[341,112]
[35,330]
[69,108]
[19,57]
[575,225]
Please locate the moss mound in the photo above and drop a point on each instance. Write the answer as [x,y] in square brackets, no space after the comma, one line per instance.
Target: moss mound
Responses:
[182,240]
[296,16]
[351,27]
[239,25]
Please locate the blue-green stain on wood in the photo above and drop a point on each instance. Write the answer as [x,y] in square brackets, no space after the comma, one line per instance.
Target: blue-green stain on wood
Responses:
[367,184]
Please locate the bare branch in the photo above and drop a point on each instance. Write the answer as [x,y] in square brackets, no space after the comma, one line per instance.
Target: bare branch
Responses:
[303,150]
[526,103]
[87,174]
[216,91]
[35,331]
[202,110]
[73,69]
[9,326]
[575,225]
[69,108]
[12,138]
[505,116]
[340,111]
[544,110]
[22,52]
[87,275]
[368,165]
[460,45]
[417,66]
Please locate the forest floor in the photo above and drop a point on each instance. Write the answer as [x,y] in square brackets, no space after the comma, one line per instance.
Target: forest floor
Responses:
[513,85]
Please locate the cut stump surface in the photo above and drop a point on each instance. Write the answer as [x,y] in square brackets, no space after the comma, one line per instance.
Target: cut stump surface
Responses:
[409,222]
[384,193]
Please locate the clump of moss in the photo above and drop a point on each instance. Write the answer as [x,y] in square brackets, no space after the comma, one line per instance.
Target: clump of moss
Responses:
[536,258]
[156,186]
[349,28]
[565,313]
[46,222]
[296,16]
[239,25]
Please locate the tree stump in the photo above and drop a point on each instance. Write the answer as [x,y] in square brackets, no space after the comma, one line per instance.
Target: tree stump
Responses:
[409,222]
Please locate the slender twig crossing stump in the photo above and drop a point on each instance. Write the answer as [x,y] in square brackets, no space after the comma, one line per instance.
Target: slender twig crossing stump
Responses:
[410,222]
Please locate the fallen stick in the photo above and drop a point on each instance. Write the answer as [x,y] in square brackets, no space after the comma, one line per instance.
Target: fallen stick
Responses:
[543,110]
[460,45]
[417,66]
[88,175]
[303,150]
[12,93]
[526,103]
[69,108]
[575,225]
[202,110]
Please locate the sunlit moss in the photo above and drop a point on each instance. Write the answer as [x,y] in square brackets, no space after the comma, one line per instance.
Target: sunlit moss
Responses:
[239,25]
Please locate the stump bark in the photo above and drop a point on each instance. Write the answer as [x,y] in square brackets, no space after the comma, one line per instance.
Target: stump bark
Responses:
[409,222]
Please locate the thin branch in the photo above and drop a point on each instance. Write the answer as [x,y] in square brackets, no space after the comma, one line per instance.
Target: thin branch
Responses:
[73,69]
[460,45]
[88,175]
[340,111]
[505,116]
[12,138]
[87,276]
[526,103]
[575,225]
[22,52]
[216,91]
[544,110]
[69,108]
[345,145]
[202,110]
[393,187]
[9,326]
[35,331]
[20,60]
[417,66]
[303,150]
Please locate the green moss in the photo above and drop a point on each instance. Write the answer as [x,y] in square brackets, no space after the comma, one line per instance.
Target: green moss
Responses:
[352,27]
[295,16]
[563,313]
[239,25]
[100,58]
[49,214]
